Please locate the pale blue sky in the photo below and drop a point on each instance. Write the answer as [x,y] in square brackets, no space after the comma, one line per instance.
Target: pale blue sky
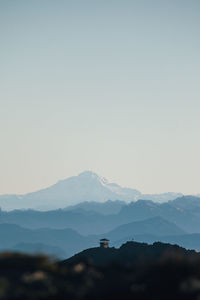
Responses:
[110,86]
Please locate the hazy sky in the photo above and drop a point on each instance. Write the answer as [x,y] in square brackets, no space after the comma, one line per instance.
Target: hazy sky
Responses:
[110,86]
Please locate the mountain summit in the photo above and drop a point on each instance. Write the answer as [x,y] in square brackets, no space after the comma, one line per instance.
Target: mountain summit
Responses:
[87,186]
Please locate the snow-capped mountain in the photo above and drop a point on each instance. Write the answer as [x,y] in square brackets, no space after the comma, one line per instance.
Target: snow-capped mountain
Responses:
[87,186]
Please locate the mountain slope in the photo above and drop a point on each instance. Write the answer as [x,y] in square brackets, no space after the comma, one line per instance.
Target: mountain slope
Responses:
[84,223]
[155,226]
[105,208]
[186,219]
[87,186]
[190,203]
[16,237]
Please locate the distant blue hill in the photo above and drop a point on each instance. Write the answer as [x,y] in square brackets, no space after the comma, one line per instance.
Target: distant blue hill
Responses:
[156,226]
[68,242]
[93,218]
[60,241]
[106,208]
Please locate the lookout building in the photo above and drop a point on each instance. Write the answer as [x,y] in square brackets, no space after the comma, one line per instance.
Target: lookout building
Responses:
[104,243]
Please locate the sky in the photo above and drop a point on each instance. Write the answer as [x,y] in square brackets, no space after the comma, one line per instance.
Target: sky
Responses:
[110,86]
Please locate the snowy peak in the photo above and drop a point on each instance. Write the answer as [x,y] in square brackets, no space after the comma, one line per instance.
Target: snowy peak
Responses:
[87,186]
[89,175]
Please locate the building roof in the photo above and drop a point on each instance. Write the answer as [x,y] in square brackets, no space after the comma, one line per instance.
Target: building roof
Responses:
[104,240]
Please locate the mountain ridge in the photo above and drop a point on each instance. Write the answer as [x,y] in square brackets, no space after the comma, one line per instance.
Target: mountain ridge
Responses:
[156,225]
[87,186]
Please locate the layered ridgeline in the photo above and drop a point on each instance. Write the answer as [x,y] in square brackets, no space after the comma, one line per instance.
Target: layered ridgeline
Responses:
[64,232]
[96,218]
[87,186]
[66,242]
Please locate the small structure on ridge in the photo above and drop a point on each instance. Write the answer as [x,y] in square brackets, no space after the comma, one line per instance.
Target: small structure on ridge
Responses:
[104,243]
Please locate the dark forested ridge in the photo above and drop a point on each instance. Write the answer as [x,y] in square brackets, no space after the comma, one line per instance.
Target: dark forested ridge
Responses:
[134,271]
[130,253]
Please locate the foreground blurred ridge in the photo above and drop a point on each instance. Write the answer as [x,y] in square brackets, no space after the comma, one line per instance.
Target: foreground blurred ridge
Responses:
[161,271]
